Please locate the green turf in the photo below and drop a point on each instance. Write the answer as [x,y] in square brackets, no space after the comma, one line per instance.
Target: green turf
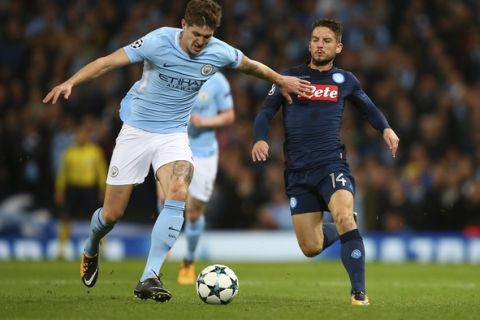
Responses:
[309,290]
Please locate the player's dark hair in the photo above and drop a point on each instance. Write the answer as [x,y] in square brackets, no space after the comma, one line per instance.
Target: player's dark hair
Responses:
[334,25]
[203,12]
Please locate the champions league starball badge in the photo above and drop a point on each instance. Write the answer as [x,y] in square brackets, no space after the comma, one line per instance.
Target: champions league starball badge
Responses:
[137,44]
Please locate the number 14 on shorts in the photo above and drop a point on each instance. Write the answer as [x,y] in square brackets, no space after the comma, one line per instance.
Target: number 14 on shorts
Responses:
[339,180]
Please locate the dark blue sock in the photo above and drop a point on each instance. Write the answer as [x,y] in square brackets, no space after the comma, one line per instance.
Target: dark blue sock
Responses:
[330,234]
[353,258]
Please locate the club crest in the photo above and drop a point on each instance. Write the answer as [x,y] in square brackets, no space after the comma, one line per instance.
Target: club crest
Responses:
[206,69]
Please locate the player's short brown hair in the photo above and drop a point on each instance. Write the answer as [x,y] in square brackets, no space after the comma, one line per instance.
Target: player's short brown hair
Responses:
[203,12]
[334,25]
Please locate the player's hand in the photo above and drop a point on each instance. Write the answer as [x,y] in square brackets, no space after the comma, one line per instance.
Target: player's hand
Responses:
[392,140]
[62,89]
[260,151]
[293,85]
[196,120]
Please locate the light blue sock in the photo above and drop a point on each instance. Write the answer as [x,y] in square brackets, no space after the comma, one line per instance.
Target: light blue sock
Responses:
[193,231]
[98,229]
[164,234]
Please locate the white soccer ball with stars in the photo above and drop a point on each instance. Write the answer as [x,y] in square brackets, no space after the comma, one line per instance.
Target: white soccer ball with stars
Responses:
[217,284]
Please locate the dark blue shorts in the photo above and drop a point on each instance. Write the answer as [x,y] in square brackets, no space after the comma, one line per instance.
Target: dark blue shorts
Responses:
[310,190]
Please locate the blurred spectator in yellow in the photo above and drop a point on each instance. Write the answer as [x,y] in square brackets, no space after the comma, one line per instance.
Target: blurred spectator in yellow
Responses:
[80,182]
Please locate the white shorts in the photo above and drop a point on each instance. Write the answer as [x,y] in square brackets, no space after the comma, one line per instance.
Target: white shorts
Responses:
[136,150]
[204,175]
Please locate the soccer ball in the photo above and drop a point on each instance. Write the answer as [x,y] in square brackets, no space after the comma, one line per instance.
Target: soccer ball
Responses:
[217,284]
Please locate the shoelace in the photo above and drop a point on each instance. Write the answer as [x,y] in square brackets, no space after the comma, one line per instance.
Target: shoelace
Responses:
[158,277]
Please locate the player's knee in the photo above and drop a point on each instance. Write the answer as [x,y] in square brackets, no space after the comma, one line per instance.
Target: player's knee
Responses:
[193,214]
[311,250]
[344,218]
[111,216]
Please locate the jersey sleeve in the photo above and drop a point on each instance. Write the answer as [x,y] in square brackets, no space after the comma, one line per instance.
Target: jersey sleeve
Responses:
[223,96]
[142,48]
[269,108]
[231,57]
[368,109]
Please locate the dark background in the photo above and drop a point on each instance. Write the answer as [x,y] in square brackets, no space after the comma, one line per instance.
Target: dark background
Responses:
[419,61]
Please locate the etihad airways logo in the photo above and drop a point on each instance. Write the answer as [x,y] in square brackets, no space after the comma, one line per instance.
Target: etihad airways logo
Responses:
[327,92]
[190,85]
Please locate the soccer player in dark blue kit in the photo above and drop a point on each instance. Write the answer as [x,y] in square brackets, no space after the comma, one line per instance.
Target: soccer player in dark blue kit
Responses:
[317,174]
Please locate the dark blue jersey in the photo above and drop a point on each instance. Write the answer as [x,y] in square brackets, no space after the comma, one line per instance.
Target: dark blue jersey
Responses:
[312,126]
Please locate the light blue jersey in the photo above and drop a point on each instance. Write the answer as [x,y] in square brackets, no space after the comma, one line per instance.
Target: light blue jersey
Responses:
[162,100]
[214,97]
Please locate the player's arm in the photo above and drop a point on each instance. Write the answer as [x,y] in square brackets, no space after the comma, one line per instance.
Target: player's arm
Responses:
[287,84]
[262,124]
[223,118]
[376,118]
[90,71]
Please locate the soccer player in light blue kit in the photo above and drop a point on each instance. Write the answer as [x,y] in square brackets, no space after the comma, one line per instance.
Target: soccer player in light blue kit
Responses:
[155,112]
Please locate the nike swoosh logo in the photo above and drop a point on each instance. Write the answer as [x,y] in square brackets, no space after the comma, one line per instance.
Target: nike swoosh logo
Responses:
[166,65]
[89,281]
[172,228]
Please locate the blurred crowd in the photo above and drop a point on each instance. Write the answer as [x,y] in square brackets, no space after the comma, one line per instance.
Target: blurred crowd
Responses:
[418,60]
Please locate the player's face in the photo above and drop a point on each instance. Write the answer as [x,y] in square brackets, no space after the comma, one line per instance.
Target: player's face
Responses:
[323,46]
[194,38]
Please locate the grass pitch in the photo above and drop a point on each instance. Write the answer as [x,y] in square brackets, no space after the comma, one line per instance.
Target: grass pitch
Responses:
[309,290]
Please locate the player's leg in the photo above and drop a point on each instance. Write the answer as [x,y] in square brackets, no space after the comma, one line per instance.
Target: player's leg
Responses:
[313,235]
[307,207]
[129,166]
[102,222]
[200,192]
[352,248]
[173,165]
[160,196]
[174,177]
[309,233]
[194,227]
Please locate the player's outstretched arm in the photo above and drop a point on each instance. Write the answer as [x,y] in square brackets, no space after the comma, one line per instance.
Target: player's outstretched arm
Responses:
[222,119]
[260,151]
[90,71]
[287,84]
[392,140]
